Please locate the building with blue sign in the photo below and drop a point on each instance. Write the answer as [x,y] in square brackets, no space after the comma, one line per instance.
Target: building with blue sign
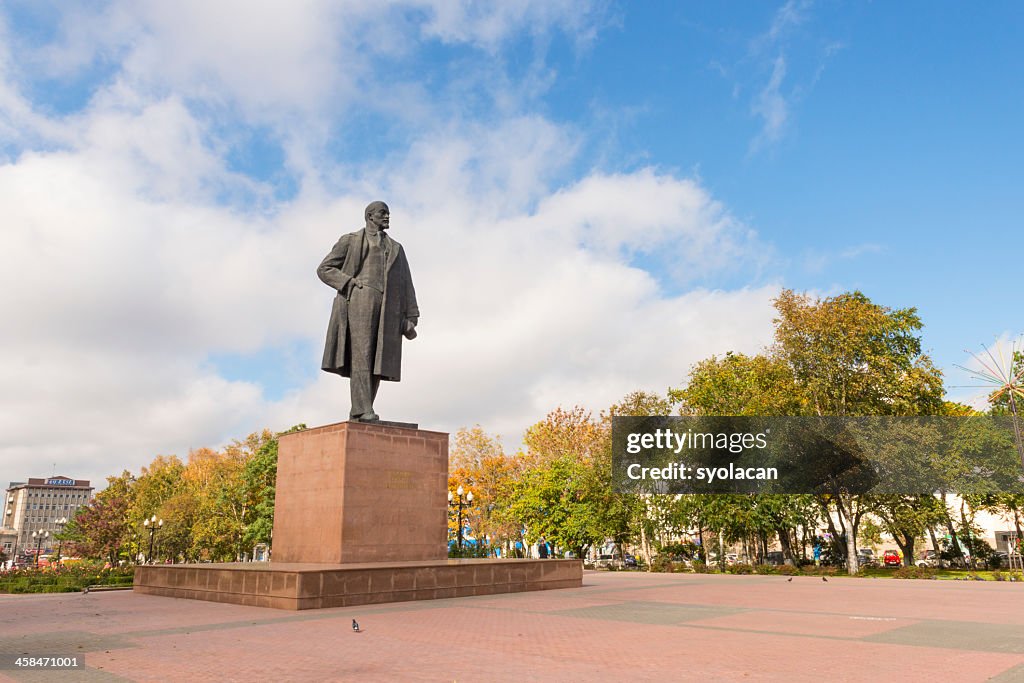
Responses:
[39,505]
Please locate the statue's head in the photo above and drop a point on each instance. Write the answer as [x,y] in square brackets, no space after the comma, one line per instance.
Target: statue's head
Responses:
[377,215]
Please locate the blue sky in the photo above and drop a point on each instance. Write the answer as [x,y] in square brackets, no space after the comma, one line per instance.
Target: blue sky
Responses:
[593,196]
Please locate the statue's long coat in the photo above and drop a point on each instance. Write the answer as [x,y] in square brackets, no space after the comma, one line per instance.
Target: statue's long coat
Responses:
[398,304]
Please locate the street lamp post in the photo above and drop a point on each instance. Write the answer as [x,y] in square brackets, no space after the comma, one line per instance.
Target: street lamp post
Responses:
[39,536]
[17,536]
[60,545]
[152,524]
[460,492]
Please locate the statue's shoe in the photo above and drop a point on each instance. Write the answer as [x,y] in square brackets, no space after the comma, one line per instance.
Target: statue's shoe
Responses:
[368,417]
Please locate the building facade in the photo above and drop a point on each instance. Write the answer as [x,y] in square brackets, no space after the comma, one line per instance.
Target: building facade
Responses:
[40,505]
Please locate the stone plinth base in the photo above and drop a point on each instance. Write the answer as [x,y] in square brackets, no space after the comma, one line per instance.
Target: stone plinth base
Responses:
[311,586]
[361,492]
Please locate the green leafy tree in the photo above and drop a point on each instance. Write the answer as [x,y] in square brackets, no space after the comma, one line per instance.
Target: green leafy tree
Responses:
[850,356]
[179,513]
[260,484]
[907,518]
[563,491]
[563,501]
[644,518]
[737,384]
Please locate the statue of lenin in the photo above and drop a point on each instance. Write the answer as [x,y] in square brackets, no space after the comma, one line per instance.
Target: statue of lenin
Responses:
[374,308]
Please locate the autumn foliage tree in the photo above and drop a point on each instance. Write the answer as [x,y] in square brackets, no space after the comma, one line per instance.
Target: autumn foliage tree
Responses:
[215,506]
[100,529]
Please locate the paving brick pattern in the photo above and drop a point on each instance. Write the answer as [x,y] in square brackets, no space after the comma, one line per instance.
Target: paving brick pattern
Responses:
[618,626]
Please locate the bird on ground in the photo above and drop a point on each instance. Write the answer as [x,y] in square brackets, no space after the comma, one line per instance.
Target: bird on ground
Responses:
[790,579]
[355,626]
[825,579]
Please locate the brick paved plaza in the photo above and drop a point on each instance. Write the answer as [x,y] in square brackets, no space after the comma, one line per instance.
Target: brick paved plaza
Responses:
[619,626]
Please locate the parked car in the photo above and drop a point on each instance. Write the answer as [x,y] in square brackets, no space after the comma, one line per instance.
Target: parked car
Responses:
[929,559]
[891,558]
[866,557]
[629,561]
[605,561]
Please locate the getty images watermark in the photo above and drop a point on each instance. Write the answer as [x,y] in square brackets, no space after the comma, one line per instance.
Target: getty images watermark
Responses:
[667,440]
[901,455]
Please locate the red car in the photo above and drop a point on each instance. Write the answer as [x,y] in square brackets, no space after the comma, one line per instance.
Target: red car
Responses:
[891,558]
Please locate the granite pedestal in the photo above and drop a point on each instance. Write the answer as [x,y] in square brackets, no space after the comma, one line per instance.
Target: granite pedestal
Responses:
[360,518]
[356,492]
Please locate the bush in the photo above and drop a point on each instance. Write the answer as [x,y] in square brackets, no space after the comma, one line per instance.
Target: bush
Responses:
[740,569]
[680,550]
[469,550]
[662,564]
[699,567]
[789,570]
[63,579]
[913,572]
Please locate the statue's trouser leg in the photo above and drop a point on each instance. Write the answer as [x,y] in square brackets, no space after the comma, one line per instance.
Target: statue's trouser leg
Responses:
[363,320]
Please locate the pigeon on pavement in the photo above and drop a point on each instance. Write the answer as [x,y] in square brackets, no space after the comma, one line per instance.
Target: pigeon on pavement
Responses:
[355,626]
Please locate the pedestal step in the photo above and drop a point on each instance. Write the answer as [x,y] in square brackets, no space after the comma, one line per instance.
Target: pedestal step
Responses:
[298,586]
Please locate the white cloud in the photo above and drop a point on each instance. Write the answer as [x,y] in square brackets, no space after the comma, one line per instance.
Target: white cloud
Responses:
[286,62]
[791,14]
[771,106]
[117,295]
[488,25]
[816,261]
[131,252]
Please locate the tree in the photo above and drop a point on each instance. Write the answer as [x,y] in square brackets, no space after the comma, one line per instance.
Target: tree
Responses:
[563,501]
[100,528]
[216,481]
[838,356]
[850,356]
[564,432]
[259,480]
[737,384]
[907,517]
[179,515]
[157,482]
[471,447]
[646,518]
[563,490]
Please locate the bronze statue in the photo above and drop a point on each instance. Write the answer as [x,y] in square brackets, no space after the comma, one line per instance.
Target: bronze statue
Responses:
[374,308]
